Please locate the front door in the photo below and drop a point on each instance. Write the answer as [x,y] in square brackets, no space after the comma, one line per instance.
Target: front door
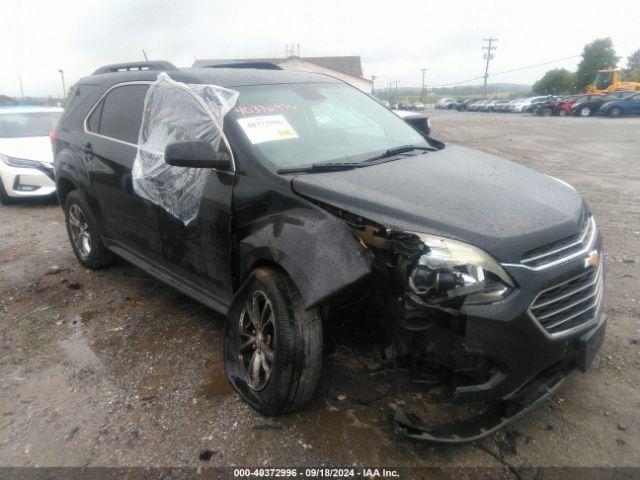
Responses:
[201,250]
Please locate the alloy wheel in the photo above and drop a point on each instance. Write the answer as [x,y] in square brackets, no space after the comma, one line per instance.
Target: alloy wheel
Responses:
[585,111]
[257,340]
[79,231]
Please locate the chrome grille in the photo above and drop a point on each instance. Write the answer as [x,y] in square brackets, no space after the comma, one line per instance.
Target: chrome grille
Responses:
[570,305]
[562,250]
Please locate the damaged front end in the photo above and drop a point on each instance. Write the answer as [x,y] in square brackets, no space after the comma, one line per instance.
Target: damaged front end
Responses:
[453,326]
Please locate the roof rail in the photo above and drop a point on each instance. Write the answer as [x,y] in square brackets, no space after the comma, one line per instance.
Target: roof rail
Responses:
[260,65]
[136,66]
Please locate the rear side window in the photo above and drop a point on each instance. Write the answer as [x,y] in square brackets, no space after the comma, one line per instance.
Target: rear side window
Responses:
[120,113]
[93,122]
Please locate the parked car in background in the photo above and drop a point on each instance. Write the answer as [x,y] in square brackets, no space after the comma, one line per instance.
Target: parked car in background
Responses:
[464,105]
[404,105]
[476,106]
[488,106]
[385,103]
[418,106]
[517,105]
[545,108]
[26,161]
[500,106]
[562,106]
[590,104]
[443,103]
[535,102]
[624,106]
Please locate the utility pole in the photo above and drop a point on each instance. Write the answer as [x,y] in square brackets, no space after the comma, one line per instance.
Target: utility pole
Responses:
[395,99]
[21,90]
[390,84]
[64,89]
[373,87]
[488,57]
[423,92]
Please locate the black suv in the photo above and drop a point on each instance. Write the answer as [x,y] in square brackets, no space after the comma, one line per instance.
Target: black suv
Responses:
[478,267]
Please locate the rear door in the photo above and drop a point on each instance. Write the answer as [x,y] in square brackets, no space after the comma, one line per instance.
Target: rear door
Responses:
[113,126]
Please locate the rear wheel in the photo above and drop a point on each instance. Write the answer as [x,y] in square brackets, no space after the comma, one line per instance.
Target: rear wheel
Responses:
[83,233]
[272,345]
[562,112]
[615,112]
[584,111]
[547,112]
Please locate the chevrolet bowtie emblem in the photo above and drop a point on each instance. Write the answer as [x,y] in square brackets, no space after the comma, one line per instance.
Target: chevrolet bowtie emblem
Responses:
[592,260]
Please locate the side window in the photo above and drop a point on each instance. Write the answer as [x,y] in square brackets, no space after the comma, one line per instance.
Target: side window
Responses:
[93,122]
[122,112]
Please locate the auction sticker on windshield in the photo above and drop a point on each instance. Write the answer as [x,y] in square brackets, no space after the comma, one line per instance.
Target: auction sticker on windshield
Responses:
[267,128]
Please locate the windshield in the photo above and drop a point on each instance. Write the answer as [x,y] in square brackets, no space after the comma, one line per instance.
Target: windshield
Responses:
[28,124]
[298,125]
[603,80]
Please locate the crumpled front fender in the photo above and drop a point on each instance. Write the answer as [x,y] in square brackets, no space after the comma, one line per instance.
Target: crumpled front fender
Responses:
[318,251]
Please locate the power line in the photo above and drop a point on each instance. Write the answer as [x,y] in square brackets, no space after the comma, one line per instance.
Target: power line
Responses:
[450,84]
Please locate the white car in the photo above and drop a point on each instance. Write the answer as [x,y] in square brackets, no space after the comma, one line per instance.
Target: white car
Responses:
[26,160]
[444,102]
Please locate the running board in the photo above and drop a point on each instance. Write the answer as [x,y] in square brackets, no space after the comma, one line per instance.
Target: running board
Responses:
[166,276]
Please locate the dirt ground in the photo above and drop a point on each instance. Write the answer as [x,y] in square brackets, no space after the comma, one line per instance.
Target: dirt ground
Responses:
[112,368]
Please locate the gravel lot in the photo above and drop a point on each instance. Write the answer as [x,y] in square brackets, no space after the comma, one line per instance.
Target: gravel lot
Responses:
[112,368]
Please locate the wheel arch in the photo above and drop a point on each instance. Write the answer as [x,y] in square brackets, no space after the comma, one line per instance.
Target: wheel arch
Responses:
[64,186]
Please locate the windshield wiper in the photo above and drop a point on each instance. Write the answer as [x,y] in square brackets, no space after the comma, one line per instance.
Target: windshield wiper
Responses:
[340,166]
[392,152]
[322,167]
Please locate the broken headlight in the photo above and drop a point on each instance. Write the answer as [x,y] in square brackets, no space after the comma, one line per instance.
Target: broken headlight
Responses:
[450,271]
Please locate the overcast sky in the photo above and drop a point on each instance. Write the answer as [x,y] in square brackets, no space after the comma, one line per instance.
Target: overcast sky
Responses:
[395,39]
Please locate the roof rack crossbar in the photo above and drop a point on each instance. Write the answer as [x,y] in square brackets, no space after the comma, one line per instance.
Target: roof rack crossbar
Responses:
[161,65]
[259,65]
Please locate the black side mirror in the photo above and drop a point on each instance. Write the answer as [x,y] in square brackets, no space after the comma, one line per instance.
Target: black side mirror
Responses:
[420,123]
[196,154]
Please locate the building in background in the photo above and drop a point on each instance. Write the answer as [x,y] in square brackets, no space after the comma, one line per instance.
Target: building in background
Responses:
[347,69]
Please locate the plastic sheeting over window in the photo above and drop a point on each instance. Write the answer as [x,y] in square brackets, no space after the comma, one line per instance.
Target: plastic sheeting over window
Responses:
[173,112]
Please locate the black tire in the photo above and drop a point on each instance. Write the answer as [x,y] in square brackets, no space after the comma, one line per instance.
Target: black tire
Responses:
[97,256]
[615,112]
[293,336]
[562,112]
[5,199]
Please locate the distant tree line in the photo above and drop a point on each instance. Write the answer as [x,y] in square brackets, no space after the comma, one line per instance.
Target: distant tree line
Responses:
[596,55]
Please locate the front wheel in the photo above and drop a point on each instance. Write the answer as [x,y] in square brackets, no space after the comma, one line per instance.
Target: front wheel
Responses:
[615,112]
[272,345]
[562,112]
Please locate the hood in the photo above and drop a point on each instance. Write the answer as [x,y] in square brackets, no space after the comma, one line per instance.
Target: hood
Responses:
[27,148]
[497,205]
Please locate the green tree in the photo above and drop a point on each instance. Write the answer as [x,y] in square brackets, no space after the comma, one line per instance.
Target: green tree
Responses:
[633,60]
[596,55]
[555,82]
[633,67]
